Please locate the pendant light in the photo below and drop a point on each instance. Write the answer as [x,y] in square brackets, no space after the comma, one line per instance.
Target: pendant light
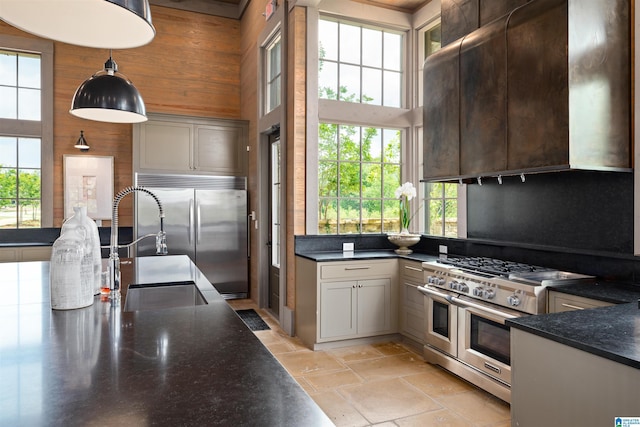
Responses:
[116,24]
[109,96]
[82,143]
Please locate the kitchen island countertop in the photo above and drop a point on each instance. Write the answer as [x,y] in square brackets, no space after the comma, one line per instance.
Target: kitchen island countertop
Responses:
[611,332]
[100,365]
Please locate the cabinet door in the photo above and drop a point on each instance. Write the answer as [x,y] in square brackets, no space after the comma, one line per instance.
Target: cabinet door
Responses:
[441,114]
[374,306]
[338,309]
[220,149]
[483,83]
[165,146]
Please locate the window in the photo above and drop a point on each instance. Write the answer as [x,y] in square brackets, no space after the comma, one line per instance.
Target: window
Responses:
[358,173]
[26,117]
[20,173]
[441,202]
[273,74]
[360,64]
[429,42]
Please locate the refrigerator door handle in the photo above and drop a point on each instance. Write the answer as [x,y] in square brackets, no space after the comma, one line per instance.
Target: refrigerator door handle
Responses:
[191,221]
[250,217]
[198,222]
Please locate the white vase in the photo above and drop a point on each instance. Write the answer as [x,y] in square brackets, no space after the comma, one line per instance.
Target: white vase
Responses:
[68,290]
[92,263]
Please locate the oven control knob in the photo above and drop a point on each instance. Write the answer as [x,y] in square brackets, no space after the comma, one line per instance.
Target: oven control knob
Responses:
[440,281]
[431,279]
[478,291]
[488,293]
[462,287]
[513,300]
[454,285]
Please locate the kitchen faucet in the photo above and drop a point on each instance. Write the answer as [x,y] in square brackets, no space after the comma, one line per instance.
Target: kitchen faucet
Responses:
[114,258]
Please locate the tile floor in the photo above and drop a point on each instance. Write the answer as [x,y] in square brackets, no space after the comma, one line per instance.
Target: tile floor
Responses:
[385,384]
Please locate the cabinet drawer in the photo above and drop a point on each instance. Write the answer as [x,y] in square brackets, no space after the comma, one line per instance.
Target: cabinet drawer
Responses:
[559,302]
[355,270]
[412,270]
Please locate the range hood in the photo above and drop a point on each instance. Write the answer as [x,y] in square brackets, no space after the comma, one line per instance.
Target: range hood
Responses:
[544,88]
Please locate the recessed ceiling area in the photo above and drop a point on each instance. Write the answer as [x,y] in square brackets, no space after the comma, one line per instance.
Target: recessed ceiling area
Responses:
[235,8]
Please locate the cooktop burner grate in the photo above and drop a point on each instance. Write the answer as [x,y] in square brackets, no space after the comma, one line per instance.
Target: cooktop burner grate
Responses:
[490,265]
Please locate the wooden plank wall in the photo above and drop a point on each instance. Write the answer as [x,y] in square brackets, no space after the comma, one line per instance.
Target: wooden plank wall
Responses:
[296,141]
[192,67]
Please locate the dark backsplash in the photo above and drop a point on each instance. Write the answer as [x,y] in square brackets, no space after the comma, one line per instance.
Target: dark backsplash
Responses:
[587,211]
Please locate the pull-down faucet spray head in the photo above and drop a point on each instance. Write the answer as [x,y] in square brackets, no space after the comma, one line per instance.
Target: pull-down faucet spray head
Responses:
[114,258]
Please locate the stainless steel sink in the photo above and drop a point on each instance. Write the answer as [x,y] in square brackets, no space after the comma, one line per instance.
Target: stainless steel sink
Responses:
[157,296]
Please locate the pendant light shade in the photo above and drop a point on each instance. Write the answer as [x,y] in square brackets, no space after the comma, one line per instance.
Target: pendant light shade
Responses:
[109,96]
[116,24]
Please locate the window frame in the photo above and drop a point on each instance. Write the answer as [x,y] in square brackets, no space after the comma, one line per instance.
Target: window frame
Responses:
[267,66]
[349,113]
[384,165]
[42,129]
[408,118]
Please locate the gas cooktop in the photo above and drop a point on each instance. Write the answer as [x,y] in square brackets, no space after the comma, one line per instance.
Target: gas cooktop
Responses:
[492,266]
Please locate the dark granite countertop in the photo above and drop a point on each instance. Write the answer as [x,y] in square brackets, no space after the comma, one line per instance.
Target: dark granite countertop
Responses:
[615,293]
[326,256]
[611,332]
[102,366]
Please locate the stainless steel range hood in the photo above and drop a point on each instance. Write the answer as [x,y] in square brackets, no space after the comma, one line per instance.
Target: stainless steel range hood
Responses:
[544,88]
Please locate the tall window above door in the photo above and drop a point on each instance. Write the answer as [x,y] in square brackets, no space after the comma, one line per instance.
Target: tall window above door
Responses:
[26,136]
[360,63]
[273,68]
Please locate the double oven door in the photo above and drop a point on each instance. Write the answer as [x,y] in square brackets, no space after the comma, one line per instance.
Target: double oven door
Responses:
[470,331]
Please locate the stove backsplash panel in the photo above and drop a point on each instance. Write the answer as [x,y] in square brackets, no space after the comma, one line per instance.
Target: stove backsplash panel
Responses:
[582,210]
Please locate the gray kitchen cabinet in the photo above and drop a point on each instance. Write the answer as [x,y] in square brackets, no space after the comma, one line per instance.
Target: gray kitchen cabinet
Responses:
[557,385]
[26,253]
[355,308]
[412,309]
[558,302]
[178,144]
[338,301]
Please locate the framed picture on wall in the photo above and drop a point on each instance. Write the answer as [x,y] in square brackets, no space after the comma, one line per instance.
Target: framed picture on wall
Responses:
[88,181]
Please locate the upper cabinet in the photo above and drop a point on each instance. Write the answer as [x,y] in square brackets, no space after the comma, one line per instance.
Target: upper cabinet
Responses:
[465,16]
[545,87]
[179,144]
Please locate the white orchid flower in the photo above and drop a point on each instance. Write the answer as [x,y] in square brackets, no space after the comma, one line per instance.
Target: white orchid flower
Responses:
[407,190]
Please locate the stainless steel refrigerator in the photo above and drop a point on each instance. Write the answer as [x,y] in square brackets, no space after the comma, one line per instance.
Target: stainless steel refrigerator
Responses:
[205,218]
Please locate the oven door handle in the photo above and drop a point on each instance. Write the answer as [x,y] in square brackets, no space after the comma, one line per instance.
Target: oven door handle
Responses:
[464,303]
[433,293]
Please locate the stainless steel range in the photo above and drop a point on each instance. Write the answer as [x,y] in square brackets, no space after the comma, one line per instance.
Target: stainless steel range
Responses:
[467,301]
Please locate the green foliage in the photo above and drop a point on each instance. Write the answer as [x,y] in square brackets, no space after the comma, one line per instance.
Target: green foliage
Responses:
[20,192]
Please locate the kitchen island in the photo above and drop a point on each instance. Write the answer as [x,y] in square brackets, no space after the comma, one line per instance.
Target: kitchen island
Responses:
[100,365]
[576,367]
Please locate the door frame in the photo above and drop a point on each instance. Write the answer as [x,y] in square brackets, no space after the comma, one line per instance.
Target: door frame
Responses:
[267,123]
